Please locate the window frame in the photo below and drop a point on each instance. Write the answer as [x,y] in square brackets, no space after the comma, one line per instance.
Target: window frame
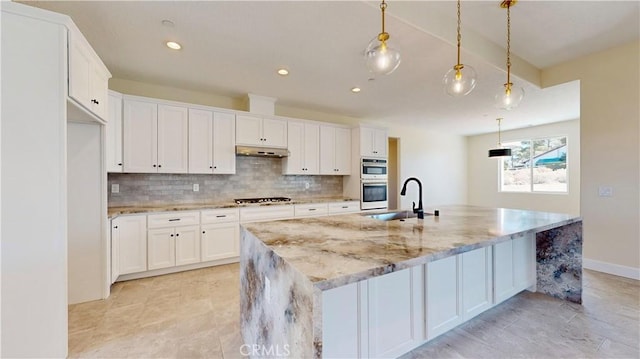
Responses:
[531,140]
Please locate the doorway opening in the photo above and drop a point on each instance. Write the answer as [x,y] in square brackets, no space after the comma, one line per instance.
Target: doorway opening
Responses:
[393,172]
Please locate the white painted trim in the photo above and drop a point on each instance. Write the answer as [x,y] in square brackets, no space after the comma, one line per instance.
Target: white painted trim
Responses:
[610,268]
[177,269]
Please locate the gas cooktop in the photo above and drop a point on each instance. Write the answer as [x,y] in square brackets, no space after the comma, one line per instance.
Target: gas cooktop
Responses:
[261,200]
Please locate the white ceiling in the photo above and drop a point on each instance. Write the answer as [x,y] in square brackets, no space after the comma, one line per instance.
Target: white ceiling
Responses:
[234,47]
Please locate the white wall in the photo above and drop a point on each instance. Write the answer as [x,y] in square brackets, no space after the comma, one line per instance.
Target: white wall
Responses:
[34,251]
[438,160]
[86,264]
[610,146]
[483,172]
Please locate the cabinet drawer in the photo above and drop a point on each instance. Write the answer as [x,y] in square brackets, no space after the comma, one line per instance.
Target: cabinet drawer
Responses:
[174,219]
[223,215]
[344,207]
[266,213]
[310,210]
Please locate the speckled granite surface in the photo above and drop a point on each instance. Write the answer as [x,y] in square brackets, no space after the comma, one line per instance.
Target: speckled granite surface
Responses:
[286,265]
[116,211]
[336,250]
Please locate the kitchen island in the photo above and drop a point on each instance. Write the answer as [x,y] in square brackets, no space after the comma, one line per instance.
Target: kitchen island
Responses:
[354,286]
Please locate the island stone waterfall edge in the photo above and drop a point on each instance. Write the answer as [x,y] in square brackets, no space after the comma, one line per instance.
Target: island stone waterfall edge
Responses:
[285,266]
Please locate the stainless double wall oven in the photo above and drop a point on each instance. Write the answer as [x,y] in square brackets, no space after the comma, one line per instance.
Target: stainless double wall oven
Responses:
[373,183]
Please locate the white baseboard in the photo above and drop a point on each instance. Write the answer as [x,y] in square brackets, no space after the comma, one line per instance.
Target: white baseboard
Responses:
[610,268]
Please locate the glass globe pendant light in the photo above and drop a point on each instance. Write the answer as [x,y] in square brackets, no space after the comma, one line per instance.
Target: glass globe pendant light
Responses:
[381,58]
[461,79]
[509,96]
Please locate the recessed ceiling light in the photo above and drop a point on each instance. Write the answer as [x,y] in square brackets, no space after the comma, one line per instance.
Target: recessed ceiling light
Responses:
[168,23]
[283,72]
[174,45]
[356,89]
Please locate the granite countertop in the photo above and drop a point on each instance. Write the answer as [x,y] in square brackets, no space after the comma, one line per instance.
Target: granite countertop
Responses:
[116,211]
[336,250]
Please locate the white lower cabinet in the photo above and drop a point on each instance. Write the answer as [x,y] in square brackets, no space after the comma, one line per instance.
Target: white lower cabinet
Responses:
[220,233]
[161,248]
[341,322]
[443,295]
[187,245]
[129,245]
[395,306]
[477,282]
[514,266]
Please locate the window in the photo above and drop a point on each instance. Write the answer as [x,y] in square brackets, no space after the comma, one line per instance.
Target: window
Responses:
[538,165]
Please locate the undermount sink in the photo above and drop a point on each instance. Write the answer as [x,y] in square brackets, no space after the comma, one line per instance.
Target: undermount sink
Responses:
[394,215]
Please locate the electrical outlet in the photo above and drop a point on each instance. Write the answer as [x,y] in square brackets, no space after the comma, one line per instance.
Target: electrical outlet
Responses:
[115,188]
[306,185]
[605,191]
[196,187]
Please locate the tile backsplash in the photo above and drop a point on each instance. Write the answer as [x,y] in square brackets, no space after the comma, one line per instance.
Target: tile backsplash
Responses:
[255,177]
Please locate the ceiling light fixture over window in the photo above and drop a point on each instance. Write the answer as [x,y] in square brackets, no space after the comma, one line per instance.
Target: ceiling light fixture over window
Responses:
[173,45]
[461,79]
[499,152]
[381,58]
[509,96]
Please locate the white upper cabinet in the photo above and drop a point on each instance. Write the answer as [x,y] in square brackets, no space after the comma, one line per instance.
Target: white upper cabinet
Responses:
[88,77]
[172,139]
[304,147]
[259,131]
[373,142]
[155,137]
[211,142]
[114,133]
[140,136]
[335,150]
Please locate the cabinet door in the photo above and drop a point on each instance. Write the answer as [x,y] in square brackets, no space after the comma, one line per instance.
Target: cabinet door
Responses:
[343,151]
[172,139]
[395,316]
[444,296]
[114,134]
[504,286]
[341,322]
[274,132]
[366,141]
[294,163]
[162,248]
[220,241]
[380,143]
[249,130]
[131,236]
[224,143]
[115,251]
[79,72]
[200,141]
[311,146]
[524,262]
[187,245]
[327,150]
[98,83]
[140,136]
[477,282]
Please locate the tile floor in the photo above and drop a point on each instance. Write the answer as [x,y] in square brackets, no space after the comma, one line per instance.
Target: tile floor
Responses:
[195,314]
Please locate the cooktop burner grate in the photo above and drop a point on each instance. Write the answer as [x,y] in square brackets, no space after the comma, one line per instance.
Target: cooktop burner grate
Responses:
[261,200]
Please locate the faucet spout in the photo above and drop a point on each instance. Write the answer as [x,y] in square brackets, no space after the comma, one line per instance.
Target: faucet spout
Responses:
[419,210]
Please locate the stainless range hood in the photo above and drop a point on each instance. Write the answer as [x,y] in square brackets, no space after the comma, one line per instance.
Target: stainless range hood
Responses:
[261,151]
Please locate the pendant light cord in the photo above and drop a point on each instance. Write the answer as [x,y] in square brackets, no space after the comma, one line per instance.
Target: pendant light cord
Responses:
[509,45]
[459,36]
[383,7]
[499,137]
